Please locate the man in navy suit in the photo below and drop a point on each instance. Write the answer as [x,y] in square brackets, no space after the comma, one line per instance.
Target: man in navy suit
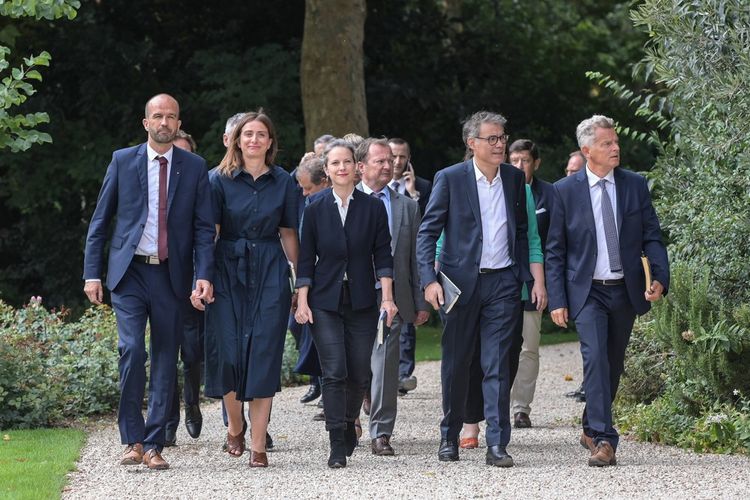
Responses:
[159,198]
[480,205]
[602,222]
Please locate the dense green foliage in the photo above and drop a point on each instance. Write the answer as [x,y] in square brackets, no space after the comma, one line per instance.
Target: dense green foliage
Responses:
[17,131]
[52,369]
[686,380]
[686,377]
[425,70]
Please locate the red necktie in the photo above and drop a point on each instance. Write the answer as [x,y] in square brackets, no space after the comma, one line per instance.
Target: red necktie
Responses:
[162,225]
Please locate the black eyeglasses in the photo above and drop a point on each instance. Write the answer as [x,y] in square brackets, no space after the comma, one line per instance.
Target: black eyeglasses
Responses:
[494,139]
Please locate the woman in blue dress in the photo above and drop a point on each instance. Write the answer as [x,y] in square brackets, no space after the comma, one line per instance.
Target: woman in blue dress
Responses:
[255,206]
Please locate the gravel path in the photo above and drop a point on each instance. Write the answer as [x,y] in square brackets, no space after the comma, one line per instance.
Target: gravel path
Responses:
[549,461]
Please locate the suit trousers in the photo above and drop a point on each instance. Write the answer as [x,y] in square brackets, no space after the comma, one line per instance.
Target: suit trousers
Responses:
[524,386]
[475,398]
[145,294]
[384,363]
[604,325]
[344,341]
[490,317]
[191,353]
[408,341]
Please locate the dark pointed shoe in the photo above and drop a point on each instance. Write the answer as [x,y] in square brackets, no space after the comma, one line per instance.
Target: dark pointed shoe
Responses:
[313,393]
[498,457]
[448,451]
[521,420]
[193,421]
[382,447]
[170,437]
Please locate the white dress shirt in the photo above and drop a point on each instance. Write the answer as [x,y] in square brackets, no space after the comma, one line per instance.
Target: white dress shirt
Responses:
[601,271]
[149,243]
[343,210]
[399,186]
[495,248]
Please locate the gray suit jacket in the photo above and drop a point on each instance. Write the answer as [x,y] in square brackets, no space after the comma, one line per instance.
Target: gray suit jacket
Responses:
[407,292]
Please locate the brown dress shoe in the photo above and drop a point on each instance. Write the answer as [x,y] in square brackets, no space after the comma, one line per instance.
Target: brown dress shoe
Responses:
[521,420]
[382,447]
[603,455]
[133,455]
[587,442]
[152,459]
[258,459]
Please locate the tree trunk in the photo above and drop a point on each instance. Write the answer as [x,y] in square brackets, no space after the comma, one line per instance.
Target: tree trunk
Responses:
[332,69]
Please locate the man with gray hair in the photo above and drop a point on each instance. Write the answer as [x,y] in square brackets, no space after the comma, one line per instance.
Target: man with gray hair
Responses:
[601,224]
[319,144]
[480,205]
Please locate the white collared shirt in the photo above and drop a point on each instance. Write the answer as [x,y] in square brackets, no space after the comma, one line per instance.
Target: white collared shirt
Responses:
[343,209]
[386,199]
[601,270]
[494,216]
[149,243]
[398,185]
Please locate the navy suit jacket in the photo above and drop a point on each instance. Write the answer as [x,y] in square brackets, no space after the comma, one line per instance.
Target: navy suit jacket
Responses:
[571,242]
[424,188]
[454,208]
[544,198]
[124,198]
[361,249]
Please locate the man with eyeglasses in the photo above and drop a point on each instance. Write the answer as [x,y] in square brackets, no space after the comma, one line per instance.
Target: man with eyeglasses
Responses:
[480,206]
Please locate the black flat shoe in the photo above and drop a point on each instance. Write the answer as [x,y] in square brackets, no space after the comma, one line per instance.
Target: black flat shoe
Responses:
[313,393]
[497,456]
[448,451]
[193,421]
[269,442]
[170,437]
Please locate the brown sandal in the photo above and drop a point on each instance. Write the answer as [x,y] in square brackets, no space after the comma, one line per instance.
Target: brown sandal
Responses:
[258,459]
[235,444]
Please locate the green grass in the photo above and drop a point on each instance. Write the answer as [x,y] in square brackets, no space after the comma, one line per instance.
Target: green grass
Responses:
[428,341]
[33,463]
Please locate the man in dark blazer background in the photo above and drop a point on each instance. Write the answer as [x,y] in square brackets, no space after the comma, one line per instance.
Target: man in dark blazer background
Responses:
[602,222]
[159,199]
[480,205]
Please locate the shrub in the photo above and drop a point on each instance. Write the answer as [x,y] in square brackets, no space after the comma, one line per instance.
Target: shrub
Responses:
[52,370]
[291,354]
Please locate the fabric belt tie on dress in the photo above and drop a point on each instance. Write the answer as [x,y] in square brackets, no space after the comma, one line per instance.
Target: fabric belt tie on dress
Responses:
[240,249]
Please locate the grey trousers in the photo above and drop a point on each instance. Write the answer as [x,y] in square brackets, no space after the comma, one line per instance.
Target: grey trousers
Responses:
[384,386]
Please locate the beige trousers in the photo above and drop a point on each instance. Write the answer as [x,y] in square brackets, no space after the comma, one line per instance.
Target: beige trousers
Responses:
[522,392]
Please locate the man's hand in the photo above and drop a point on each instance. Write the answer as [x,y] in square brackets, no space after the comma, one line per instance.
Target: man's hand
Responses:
[433,294]
[560,317]
[390,310]
[94,291]
[422,317]
[409,184]
[303,314]
[655,292]
[539,296]
[204,291]
[196,302]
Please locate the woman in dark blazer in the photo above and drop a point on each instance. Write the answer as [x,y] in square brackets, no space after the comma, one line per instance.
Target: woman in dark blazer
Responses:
[345,245]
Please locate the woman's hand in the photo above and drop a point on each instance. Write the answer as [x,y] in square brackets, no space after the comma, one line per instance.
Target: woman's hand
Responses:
[303,314]
[390,309]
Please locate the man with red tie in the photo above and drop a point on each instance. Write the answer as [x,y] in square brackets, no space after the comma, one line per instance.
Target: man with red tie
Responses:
[159,200]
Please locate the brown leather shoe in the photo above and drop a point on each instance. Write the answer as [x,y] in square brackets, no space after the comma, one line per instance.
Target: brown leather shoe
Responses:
[382,447]
[587,442]
[521,420]
[258,459]
[603,455]
[152,459]
[133,455]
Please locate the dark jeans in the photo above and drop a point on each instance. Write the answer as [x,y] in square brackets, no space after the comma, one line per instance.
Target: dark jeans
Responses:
[344,341]
[408,344]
